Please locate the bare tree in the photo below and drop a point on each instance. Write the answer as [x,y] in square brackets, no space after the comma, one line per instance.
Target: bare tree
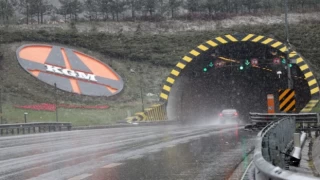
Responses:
[133,5]
[6,10]
[72,8]
[64,10]
[252,5]
[24,7]
[77,8]
[39,8]
[150,6]
[117,7]
[92,9]
[210,5]
[104,8]
[192,6]
[173,5]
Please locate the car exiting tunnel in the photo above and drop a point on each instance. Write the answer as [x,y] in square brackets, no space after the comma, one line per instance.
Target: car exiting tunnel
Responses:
[236,71]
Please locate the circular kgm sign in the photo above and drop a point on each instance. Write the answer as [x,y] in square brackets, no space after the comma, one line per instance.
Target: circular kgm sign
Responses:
[70,70]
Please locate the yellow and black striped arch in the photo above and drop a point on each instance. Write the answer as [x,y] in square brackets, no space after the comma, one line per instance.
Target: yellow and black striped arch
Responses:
[310,78]
[221,40]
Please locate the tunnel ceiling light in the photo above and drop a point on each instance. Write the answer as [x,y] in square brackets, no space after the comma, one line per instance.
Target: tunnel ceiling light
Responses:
[227,59]
[273,52]
[279,73]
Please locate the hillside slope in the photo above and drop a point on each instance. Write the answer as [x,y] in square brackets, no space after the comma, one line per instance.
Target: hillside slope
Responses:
[155,55]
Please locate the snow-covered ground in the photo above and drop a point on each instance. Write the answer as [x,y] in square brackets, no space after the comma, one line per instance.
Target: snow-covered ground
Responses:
[174,26]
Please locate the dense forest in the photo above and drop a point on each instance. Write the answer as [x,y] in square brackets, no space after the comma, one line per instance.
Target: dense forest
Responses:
[35,11]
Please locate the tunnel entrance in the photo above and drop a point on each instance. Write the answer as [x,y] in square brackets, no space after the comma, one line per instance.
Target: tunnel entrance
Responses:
[236,75]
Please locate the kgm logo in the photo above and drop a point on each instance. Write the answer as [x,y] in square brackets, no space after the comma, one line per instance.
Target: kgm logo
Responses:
[70,70]
[71,73]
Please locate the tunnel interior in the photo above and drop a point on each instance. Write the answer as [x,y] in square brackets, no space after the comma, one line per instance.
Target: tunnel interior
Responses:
[238,76]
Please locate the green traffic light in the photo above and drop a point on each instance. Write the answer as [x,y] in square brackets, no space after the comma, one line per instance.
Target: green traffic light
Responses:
[205,69]
[283,61]
[241,67]
[211,64]
[290,65]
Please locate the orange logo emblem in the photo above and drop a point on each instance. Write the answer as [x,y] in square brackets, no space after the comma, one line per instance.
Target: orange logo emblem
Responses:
[71,70]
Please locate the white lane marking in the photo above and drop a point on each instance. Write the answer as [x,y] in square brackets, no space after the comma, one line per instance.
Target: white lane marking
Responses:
[245,172]
[135,157]
[112,165]
[80,177]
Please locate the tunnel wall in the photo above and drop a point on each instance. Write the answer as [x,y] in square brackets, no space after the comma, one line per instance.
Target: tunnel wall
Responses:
[174,105]
[211,44]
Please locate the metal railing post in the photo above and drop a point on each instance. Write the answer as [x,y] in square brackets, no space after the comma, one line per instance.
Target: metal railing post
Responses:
[25,117]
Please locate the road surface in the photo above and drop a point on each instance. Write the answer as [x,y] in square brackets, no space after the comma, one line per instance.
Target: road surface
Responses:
[150,152]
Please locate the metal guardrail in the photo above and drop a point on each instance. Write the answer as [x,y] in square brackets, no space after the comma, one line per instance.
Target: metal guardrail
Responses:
[305,121]
[300,117]
[271,145]
[23,128]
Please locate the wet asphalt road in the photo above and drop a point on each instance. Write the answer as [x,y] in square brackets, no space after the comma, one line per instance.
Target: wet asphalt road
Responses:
[159,152]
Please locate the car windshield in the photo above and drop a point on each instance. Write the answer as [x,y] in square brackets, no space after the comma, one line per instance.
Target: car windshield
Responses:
[157,89]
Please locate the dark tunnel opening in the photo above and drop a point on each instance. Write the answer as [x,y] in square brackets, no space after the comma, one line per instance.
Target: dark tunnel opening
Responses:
[228,77]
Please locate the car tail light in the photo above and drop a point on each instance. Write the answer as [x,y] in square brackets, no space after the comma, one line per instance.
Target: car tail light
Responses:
[220,114]
[235,114]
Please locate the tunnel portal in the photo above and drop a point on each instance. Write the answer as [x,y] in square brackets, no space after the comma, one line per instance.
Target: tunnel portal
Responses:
[228,72]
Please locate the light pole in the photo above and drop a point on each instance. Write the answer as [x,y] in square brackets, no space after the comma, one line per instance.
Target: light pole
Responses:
[141,94]
[290,82]
[1,118]
[56,101]
[286,21]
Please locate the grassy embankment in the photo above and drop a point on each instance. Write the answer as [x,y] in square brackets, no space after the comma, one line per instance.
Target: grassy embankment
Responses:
[154,54]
